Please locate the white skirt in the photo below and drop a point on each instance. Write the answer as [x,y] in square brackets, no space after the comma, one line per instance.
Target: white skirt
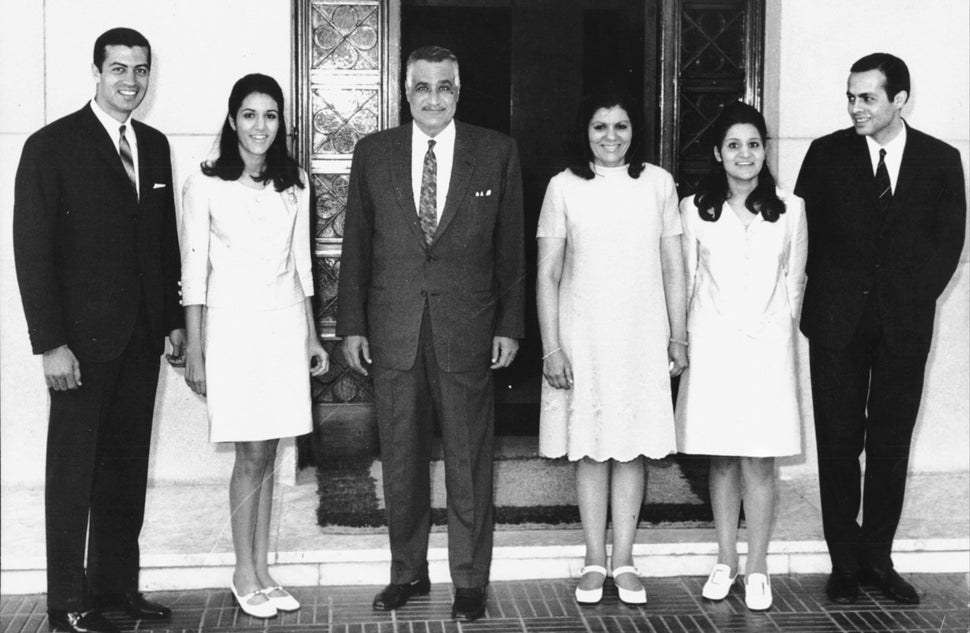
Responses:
[257,370]
[739,396]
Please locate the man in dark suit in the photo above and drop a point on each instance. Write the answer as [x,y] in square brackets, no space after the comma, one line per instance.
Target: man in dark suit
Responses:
[886,209]
[431,295]
[97,261]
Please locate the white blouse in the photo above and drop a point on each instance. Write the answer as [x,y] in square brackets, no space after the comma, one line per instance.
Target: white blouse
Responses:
[749,278]
[244,247]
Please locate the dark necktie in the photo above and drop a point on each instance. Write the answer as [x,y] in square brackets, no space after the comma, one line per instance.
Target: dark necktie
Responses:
[126,159]
[883,185]
[428,202]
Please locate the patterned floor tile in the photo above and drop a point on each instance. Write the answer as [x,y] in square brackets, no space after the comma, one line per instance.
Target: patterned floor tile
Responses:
[547,606]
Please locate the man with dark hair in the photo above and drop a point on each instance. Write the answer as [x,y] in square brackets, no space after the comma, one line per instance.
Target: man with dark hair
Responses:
[886,210]
[432,291]
[97,261]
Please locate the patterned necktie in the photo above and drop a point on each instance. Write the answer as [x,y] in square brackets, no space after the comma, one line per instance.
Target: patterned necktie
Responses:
[126,159]
[428,202]
[883,185]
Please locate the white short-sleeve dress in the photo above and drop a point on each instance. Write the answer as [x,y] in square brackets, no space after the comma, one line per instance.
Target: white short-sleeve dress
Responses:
[246,258]
[739,396]
[612,315]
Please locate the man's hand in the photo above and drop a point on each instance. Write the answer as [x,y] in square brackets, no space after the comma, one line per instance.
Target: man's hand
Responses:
[356,348]
[503,351]
[177,339]
[62,371]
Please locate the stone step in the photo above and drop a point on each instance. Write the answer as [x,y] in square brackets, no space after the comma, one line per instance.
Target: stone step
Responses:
[186,541]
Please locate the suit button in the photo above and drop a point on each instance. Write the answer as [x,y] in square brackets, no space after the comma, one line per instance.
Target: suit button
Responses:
[430,259]
[865,292]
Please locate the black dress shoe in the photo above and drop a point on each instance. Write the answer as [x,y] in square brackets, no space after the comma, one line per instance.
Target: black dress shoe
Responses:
[134,604]
[394,596]
[469,604]
[892,585]
[842,587]
[79,622]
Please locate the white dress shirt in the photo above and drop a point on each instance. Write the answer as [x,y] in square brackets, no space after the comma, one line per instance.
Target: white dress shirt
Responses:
[894,155]
[111,126]
[444,153]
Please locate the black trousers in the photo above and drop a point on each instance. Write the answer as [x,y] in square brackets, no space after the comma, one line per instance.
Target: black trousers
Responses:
[465,406]
[97,470]
[866,398]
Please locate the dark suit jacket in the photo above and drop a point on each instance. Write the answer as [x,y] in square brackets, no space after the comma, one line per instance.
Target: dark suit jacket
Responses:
[472,274]
[905,257]
[86,245]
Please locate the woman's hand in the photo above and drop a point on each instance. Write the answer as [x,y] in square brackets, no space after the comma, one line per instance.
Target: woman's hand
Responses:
[677,353]
[319,359]
[558,371]
[195,370]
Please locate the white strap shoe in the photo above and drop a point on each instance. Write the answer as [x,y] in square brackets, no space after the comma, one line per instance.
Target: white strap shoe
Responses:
[283,600]
[258,610]
[630,596]
[591,596]
[757,592]
[719,583]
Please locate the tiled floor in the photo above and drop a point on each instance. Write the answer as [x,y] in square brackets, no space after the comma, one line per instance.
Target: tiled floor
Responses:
[546,606]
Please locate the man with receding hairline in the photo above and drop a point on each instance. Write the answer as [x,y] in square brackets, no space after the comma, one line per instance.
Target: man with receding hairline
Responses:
[886,210]
[431,300]
[97,261]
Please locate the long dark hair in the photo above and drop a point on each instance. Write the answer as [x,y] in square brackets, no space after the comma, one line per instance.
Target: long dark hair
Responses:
[280,167]
[712,191]
[581,154]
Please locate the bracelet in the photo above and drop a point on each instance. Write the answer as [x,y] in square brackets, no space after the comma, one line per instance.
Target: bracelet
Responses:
[547,355]
[679,342]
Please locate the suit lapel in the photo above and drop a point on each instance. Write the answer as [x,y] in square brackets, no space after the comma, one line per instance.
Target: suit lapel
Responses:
[102,146]
[463,165]
[401,179]
[145,183]
[863,179]
[907,172]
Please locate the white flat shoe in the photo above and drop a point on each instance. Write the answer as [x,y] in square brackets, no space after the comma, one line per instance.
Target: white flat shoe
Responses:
[259,610]
[630,596]
[757,592]
[719,583]
[285,602]
[591,596]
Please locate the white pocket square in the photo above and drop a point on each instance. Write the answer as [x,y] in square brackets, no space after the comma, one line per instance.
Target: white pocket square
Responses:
[483,194]
[158,185]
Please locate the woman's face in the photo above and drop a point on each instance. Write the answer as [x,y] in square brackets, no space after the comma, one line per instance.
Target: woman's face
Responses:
[742,152]
[256,124]
[610,134]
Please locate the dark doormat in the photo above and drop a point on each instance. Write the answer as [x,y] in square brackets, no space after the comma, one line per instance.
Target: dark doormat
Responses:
[530,492]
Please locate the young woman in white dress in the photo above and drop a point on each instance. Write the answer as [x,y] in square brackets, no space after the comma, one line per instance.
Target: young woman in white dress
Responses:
[246,290]
[612,309]
[745,244]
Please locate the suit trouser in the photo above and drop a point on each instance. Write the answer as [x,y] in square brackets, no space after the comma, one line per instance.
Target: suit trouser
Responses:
[866,398]
[465,407]
[97,471]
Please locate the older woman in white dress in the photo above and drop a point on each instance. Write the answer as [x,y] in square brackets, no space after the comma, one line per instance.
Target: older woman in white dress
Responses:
[611,305]
[252,343]
[745,244]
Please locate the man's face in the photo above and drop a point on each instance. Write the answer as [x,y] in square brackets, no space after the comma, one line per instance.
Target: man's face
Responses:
[433,95]
[873,113]
[122,80]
